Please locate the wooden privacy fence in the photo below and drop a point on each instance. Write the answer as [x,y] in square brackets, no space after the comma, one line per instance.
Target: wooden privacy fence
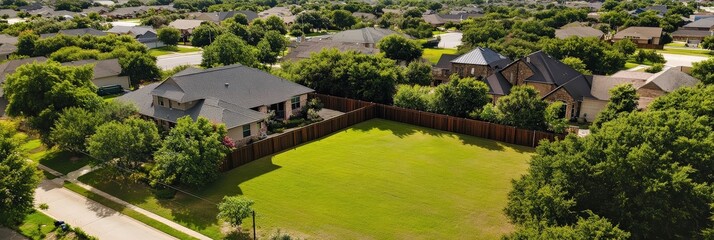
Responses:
[359,111]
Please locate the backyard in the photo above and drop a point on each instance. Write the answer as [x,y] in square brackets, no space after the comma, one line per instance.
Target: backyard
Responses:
[378,180]
[433,54]
[172,49]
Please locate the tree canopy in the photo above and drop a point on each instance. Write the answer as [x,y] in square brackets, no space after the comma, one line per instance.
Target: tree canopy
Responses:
[124,144]
[400,48]
[460,96]
[169,36]
[704,71]
[229,49]
[19,178]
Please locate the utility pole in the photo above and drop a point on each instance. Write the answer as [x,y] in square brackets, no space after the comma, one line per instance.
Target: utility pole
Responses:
[255,236]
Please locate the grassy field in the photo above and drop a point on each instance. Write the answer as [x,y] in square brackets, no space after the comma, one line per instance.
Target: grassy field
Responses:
[629,65]
[36,225]
[169,50]
[376,180]
[433,54]
[688,52]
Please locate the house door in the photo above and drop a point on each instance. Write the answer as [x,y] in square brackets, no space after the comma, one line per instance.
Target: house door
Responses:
[279,109]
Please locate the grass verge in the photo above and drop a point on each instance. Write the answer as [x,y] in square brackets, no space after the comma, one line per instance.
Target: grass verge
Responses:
[37,225]
[128,212]
[170,49]
[688,52]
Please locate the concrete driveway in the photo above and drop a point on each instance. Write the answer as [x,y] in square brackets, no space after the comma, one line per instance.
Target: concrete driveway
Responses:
[92,217]
[450,40]
[676,60]
[170,61]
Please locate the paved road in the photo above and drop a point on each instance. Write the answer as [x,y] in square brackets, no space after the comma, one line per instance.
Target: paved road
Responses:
[675,60]
[177,59]
[92,217]
[450,40]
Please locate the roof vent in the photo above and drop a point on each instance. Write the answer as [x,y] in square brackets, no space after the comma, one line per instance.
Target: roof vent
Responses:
[227,84]
[528,59]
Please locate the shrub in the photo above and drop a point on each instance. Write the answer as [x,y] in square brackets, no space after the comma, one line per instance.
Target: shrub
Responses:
[657,67]
[164,192]
[44,206]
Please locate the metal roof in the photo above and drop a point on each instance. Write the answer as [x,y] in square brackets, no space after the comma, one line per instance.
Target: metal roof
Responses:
[483,56]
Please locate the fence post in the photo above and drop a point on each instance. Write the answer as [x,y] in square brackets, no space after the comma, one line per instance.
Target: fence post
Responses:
[534,138]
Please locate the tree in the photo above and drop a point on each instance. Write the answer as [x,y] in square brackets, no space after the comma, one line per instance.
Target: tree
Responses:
[343,19]
[554,117]
[649,55]
[599,56]
[346,74]
[277,41]
[124,144]
[474,36]
[275,23]
[413,97]
[418,73]
[205,34]
[73,127]
[169,36]
[240,19]
[625,47]
[576,64]
[234,209]
[229,49]
[460,96]
[41,91]
[704,71]
[191,154]
[26,43]
[593,227]
[646,171]
[19,178]
[623,99]
[522,108]
[139,67]
[399,48]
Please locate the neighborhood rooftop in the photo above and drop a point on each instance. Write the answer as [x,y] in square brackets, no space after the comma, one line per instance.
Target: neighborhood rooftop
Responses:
[483,56]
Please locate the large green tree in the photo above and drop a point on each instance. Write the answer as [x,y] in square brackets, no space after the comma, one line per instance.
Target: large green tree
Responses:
[124,144]
[413,97]
[205,34]
[41,91]
[18,178]
[704,71]
[229,49]
[400,48]
[342,19]
[623,99]
[169,36]
[191,154]
[648,172]
[73,127]
[349,74]
[599,56]
[139,67]
[522,108]
[418,73]
[460,96]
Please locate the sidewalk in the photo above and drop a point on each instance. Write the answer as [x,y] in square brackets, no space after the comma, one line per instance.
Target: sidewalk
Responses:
[92,217]
[72,177]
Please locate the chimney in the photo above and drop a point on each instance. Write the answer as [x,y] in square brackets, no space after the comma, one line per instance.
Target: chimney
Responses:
[227,84]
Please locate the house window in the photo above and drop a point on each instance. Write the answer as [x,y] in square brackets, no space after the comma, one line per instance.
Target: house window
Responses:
[295,102]
[161,100]
[246,130]
[473,71]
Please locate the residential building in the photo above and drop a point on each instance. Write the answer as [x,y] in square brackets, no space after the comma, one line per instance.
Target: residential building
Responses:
[369,37]
[649,86]
[144,34]
[438,20]
[364,16]
[566,32]
[7,46]
[660,10]
[106,72]
[479,63]
[134,12]
[75,32]
[220,16]
[554,81]
[304,49]
[237,96]
[644,37]
[283,13]
[687,35]
[186,26]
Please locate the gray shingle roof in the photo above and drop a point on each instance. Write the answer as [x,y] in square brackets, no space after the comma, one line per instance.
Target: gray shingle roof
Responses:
[220,16]
[547,69]
[185,24]
[4,38]
[236,84]
[498,85]
[701,23]
[691,33]
[483,56]
[102,68]
[639,32]
[306,48]
[564,33]
[363,35]
[445,61]
[76,32]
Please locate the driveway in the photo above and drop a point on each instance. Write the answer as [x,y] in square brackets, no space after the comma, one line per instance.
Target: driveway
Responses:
[92,217]
[676,60]
[170,61]
[450,40]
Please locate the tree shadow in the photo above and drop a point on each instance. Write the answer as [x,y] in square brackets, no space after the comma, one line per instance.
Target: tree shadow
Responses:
[48,185]
[197,208]
[238,235]
[99,209]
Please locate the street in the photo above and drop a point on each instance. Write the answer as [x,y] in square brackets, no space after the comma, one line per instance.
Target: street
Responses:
[450,40]
[170,61]
[676,60]
[92,217]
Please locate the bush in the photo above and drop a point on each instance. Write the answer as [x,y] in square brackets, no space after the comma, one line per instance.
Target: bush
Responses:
[44,206]
[657,67]
[294,122]
[649,55]
[164,192]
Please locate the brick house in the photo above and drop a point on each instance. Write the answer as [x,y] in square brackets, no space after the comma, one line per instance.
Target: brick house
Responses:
[479,63]
[237,96]
[554,80]
[644,37]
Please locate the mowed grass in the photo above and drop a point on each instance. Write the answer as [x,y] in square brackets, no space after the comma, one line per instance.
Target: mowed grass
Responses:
[169,50]
[36,225]
[61,161]
[376,180]
[433,54]
[688,52]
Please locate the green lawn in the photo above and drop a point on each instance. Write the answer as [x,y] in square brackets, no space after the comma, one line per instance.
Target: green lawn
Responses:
[689,52]
[377,180]
[36,225]
[629,65]
[169,50]
[676,44]
[433,54]
[60,161]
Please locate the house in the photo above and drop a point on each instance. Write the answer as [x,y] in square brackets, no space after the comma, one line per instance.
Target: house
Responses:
[8,13]
[649,86]
[134,12]
[283,13]
[144,34]
[660,10]
[644,37]
[99,9]
[438,20]
[237,96]
[220,16]
[364,16]
[554,81]
[106,72]
[304,49]
[479,63]
[186,26]
[9,67]
[75,32]
[369,37]
[687,35]
[567,32]
[704,24]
